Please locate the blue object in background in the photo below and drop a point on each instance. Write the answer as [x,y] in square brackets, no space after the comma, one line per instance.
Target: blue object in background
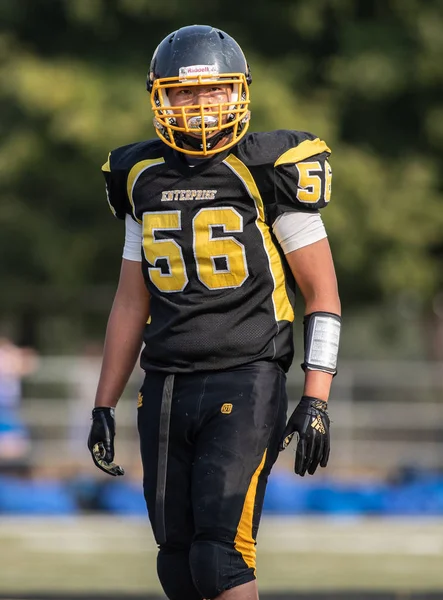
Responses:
[412,493]
[356,498]
[42,497]
[422,497]
[420,493]
[286,494]
[123,498]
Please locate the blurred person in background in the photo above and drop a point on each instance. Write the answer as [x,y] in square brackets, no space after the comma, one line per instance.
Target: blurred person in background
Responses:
[220,224]
[15,363]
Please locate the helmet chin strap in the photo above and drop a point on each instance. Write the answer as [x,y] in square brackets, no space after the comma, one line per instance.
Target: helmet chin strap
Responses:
[196,144]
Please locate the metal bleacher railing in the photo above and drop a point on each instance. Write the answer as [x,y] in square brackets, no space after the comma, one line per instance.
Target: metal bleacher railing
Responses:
[385,415]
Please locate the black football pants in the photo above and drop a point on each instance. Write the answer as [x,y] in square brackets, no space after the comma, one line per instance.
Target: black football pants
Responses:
[208,442]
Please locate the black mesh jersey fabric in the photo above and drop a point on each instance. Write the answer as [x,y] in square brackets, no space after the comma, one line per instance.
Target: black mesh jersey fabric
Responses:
[222,294]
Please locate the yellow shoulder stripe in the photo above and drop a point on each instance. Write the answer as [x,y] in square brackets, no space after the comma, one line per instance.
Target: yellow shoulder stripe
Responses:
[283,309]
[304,150]
[107,166]
[135,173]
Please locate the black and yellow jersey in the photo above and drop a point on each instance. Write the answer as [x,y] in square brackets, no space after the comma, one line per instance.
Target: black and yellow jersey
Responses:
[222,294]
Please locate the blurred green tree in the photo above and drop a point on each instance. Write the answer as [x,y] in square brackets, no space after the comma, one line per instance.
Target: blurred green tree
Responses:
[366,77]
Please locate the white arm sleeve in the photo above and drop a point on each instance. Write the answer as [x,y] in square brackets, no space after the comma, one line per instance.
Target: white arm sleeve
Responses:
[294,230]
[133,240]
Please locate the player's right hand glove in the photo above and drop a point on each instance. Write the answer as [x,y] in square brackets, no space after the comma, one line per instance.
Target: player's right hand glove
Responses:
[101,440]
[310,421]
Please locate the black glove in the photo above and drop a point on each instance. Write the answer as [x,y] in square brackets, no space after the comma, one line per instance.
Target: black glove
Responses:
[101,440]
[311,422]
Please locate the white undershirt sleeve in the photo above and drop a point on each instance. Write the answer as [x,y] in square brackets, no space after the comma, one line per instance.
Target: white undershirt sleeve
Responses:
[295,230]
[133,240]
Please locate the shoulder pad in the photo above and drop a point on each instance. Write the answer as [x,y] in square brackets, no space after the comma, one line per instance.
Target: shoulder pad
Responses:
[125,157]
[302,177]
[121,169]
[266,148]
[304,150]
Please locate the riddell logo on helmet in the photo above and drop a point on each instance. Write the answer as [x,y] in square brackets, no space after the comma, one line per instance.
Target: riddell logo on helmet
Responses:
[198,70]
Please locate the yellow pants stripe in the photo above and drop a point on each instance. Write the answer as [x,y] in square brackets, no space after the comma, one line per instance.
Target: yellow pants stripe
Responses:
[244,542]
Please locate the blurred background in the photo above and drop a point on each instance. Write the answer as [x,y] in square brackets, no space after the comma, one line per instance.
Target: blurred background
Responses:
[367,77]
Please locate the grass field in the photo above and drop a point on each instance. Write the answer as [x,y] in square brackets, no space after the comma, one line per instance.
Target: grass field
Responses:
[93,554]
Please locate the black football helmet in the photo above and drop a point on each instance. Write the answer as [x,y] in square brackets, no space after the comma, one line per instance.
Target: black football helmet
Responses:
[192,56]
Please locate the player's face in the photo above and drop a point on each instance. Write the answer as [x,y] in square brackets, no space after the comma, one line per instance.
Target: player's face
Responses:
[207,96]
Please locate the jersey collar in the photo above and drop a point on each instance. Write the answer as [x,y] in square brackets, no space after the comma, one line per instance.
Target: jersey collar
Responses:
[177,161]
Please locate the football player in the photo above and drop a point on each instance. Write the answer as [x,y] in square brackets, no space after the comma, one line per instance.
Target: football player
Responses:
[220,225]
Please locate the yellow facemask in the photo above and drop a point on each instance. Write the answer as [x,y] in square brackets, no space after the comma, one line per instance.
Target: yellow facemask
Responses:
[220,124]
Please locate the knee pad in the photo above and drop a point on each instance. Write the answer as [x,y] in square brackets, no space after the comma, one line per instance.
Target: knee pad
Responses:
[175,575]
[217,567]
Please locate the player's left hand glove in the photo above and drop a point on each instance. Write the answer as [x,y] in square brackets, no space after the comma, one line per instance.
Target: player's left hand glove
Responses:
[310,421]
[101,440]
